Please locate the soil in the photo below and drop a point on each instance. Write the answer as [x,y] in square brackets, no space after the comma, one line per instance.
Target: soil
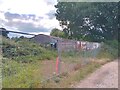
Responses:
[104,77]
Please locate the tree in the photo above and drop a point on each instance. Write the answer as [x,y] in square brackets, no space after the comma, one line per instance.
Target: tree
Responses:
[92,21]
[57,33]
[4,32]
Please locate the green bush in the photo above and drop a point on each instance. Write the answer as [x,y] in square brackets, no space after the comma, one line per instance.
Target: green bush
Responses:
[109,49]
[24,50]
[20,75]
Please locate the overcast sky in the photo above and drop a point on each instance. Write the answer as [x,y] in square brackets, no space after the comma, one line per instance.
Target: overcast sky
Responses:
[31,16]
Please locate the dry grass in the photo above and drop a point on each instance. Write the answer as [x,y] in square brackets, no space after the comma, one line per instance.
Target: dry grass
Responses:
[80,72]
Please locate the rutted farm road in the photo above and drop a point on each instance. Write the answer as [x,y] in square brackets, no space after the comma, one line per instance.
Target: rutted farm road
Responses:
[104,77]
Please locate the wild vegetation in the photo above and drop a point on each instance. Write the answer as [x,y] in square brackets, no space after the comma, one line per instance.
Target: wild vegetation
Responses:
[91,21]
[109,50]
[24,50]
[22,59]
[57,33]
[23,67]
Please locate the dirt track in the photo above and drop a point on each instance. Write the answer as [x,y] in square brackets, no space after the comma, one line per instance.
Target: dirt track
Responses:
[105,77]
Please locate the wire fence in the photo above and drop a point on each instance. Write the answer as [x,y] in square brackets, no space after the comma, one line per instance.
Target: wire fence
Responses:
[71,56]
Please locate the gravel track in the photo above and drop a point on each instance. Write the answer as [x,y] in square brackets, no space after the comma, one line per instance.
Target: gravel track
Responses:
[104,77]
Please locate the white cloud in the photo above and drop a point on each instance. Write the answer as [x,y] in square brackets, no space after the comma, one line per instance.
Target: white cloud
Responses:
[29,36]
[39,8]
[50,23]
[46,33]
[45,22]
[2,17]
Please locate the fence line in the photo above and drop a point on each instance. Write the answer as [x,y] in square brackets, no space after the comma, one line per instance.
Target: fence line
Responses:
[71,54]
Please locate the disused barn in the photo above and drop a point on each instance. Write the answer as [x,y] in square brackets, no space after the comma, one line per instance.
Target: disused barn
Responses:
[42,39]
[45,40]
[65,44]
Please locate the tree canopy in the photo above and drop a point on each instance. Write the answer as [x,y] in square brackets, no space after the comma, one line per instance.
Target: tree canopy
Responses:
[57,33]
[91,21]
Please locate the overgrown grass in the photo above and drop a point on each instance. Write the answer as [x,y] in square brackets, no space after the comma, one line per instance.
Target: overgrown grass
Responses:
[21,60]
[28,75]
[22,64]
[109,50]
[69,79]
[25,50]
[21,75]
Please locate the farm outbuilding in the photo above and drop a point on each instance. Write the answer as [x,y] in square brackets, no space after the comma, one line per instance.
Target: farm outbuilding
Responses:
[65,44]
[42,39]
[45,40]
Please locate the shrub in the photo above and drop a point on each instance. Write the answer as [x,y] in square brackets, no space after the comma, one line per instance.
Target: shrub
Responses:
[24,50]
[109,49]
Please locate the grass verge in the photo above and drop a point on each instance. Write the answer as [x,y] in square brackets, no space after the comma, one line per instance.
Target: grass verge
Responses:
[70,79]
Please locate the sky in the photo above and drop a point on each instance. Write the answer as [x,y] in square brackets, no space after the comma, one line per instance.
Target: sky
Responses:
[30,16]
